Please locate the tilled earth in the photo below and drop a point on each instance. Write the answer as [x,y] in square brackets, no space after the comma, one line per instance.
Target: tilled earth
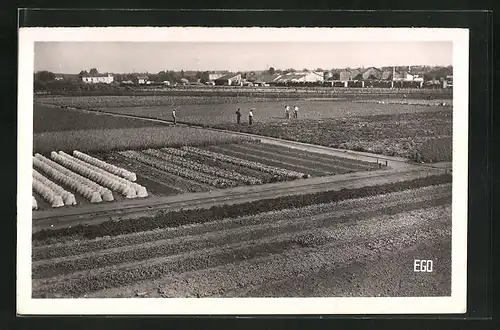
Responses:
[355,247]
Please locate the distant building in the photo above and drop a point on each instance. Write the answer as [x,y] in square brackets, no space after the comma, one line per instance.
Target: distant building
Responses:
[229,80]
[142,79]
[296,77]
[315,76]
[386,75]
[349,75]
[59,78]
[371,73]
[98,78]
[214,75]
[264,78]
[328,75]
[448,81]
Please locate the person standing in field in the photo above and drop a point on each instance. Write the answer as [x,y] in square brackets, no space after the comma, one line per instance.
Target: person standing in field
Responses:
[238,116]
[174,117]
[250,118]
[295,112]
[287,112]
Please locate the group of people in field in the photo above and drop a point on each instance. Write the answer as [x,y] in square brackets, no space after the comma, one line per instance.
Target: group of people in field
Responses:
[295,112]
[250,114]
[250,117]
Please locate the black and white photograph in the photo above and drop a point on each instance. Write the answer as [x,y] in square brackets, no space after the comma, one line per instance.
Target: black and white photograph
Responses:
[186,170]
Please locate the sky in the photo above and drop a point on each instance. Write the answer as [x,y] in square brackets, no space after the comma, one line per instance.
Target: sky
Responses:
[128,57]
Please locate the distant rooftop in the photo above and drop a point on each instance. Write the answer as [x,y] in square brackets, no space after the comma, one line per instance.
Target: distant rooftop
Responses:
[97,75]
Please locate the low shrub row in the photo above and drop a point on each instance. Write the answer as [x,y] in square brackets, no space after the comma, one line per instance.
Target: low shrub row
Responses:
[165,219]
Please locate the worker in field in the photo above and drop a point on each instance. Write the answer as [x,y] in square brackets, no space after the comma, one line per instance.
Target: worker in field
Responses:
[250,118]
[238,116]
[287,112]
[295,112]
[174,117]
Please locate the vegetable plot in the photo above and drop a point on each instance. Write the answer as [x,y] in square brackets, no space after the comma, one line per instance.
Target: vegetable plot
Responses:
[178,170]
[138,190]
[105,166]
[68,198]
[174,151]
[47,194]
[230,175]
[249,164]
[104,180]
[88,189]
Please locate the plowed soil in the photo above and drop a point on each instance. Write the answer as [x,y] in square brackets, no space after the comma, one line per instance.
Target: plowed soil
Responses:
[294,252]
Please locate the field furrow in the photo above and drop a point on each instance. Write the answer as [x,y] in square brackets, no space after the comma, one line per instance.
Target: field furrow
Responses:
[226,150]
[265,177]
[350,206]
[320,158]
[326,168]
[81,282]
[168,179]
[189,243]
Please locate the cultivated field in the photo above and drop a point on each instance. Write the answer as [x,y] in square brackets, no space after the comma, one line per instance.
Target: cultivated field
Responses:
[71,129]
[171,171]
[148,209]
[51,118]
[215,111]
[418,129]
[428,134]
[292,246]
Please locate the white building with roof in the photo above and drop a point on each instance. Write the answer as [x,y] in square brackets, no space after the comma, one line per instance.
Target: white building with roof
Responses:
[98,78]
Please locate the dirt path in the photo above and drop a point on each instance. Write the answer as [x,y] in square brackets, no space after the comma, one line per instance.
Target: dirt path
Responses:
[214,259]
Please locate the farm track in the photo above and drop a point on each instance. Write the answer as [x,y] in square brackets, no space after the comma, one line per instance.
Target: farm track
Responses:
[268,248]
[53,219]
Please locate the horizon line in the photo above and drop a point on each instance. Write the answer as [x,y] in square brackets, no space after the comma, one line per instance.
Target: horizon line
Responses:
[256,70]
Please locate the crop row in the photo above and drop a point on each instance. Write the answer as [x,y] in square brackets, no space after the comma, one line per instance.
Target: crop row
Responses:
[123,138]
[88,189]
[263,225]
[174,151]
[105,166]
[230,175]
[127,188]
[166,219]
[47,194]
[67,197]
[245,163]
[178,170]
[346,207]
[103,180]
